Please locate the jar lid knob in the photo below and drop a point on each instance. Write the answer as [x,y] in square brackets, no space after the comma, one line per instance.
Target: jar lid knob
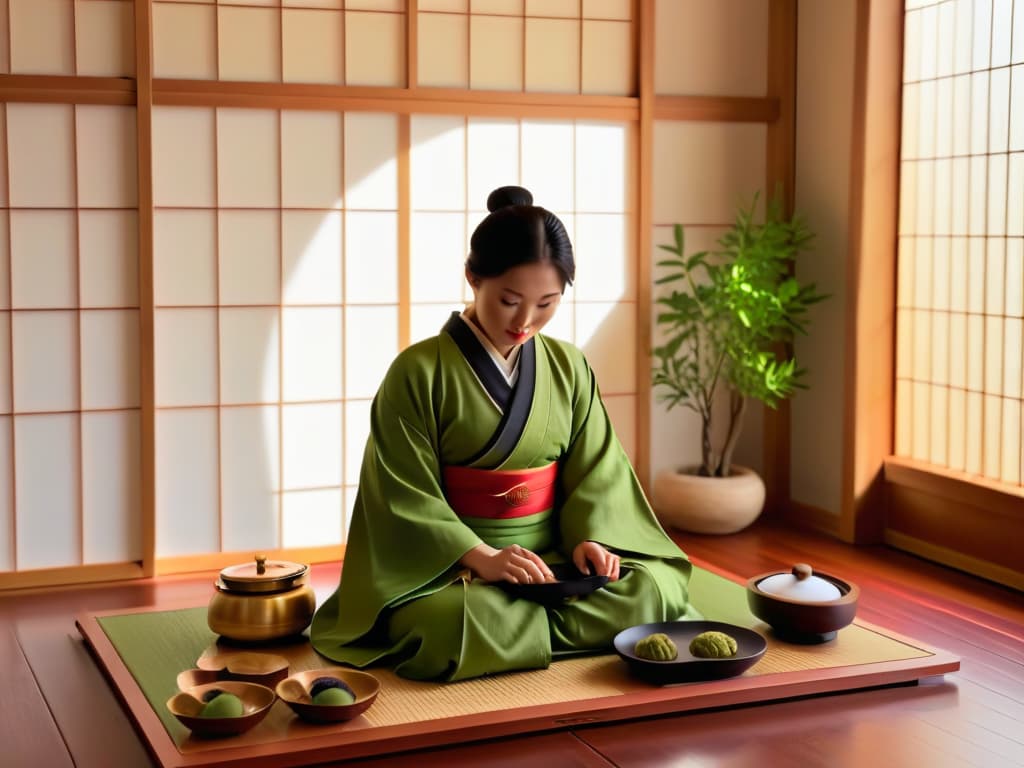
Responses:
[802,571]
[261,563]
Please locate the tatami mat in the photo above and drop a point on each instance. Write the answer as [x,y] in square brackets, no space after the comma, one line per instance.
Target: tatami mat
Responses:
[145,650]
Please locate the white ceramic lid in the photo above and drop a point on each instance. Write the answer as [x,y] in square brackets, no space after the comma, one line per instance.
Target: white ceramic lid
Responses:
[800,585]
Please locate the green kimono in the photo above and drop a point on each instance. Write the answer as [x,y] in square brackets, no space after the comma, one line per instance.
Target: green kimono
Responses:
[403,594]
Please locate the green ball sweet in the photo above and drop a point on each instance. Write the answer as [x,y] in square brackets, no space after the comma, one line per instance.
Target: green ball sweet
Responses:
[223,705]
[656,647]
[713,645]
[334,697]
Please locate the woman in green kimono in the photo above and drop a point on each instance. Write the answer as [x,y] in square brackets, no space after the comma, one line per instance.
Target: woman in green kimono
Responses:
[490,457]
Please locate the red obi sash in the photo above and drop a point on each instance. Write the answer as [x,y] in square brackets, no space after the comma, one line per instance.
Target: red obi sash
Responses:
[500,493]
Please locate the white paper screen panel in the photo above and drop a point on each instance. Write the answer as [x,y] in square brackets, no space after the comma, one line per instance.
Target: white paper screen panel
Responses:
[313,46]
[70,319]
[311,147]
[109,342]
[41,155]
[312,353]
[371,343]
[7,513]
[42,359]
[187,482]
[314,41]
[248,158]
[311,257]
[5,363]
[43,259]
[185,257]
[47,486]
[250,473]
[111,523]
[437,257]
[244,259]
[371,257]
[545,46]
[276,285]
[68,37]
[106,153]
[959,316]
[312,446]
[313,518]
[108,258]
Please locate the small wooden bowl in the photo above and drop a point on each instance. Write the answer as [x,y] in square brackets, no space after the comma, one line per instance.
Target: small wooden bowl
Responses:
[294,691]
[798,621]
[256,702]
[244,666]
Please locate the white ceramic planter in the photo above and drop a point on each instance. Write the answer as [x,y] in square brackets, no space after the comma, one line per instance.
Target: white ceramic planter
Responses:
[698,504]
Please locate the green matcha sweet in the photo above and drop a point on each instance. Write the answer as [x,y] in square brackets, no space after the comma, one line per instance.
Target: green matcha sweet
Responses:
[656,647]
[331,691]
[334,697]
[222,704]
[713,645]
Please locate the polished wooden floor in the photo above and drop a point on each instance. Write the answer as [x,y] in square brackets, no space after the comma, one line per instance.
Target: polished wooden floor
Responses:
[57,710]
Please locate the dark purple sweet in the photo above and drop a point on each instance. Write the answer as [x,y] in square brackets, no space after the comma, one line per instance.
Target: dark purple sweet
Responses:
[323,683]
[211,694]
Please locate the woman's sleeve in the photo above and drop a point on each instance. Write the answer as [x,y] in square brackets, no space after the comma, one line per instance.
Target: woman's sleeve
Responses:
[404,535]
[603,500]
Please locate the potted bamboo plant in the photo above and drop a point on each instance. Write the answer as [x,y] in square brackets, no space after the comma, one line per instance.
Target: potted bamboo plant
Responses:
[728,327]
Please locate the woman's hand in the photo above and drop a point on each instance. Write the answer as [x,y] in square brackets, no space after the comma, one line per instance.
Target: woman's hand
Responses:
[605,563]
[512,563]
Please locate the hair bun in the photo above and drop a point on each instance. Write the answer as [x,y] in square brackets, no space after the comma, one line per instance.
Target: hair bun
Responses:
[503,197]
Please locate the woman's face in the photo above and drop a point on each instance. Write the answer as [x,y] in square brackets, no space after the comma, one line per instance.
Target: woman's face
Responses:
[514,306]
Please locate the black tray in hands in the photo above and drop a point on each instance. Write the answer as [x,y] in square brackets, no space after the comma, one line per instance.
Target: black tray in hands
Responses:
[571,583]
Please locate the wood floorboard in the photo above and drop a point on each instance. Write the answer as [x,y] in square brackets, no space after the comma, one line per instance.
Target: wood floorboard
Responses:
[90,716]
[855,729]
[57,710]
[28,734]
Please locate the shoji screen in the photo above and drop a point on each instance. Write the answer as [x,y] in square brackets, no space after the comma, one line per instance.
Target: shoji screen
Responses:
[564,46]
[579,170]
[275,280]
[961,238]
[69,304]
[67,37]
[333,42]
[69,393]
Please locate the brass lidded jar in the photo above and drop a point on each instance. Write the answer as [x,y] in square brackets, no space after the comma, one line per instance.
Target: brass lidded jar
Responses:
[261,600]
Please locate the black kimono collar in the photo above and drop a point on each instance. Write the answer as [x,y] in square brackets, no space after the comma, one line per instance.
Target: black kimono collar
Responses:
[514,402]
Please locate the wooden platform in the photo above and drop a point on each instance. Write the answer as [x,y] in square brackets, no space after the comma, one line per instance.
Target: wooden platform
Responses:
[57,709]
[142,652]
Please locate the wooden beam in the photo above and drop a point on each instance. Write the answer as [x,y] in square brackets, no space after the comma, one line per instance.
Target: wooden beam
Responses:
[965,521]
[214,561]
[719,109]
[870,322]
[644,217]
[781,173]
[393,100]
[147,344]
[67,89]
[72,574]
